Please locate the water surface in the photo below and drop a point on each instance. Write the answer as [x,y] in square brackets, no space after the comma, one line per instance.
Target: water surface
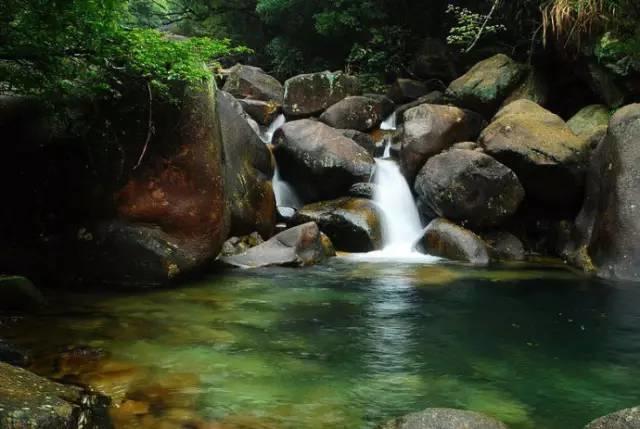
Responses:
[350,344]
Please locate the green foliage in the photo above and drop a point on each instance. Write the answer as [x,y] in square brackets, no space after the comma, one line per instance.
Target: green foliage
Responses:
[620,54]
[468,25]
[384,53]
[82,48]
[286,60]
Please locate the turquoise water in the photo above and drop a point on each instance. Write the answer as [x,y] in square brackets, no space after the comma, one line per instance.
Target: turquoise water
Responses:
[351,344]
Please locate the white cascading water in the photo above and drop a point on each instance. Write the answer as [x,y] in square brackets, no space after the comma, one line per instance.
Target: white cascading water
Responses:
[390,123]
[284,192]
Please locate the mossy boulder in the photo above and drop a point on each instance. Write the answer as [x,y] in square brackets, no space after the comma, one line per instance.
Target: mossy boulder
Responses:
[252,82]
[485,87]
[248,171]
[319,161]
[590,124]
[352,224]
[468,187]
[428,129]
[302,245]
[444,418]
[354,112]
[17,293]
[310,94]
[446,239]
[548,158]
[28,401]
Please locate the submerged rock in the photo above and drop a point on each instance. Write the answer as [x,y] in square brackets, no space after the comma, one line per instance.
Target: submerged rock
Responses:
[428,129]
[248,169]
[310,94]
[252,82]
[355,112]
[448,240]
[28,401]
[17,293]
[444,418]
[548,158]
[628,418]
[352,224]
[609,225]
[485,87]
[468,187]
[318,161]
[302,245]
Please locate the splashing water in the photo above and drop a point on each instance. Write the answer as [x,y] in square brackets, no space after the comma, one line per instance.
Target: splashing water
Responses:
[286,196]
[266,134]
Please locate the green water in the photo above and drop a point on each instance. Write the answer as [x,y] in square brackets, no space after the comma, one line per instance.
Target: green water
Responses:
[350,344]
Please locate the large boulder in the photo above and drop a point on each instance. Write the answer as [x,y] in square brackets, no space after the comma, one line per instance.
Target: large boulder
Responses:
[609,224]
[590,124]
[17,293]
[352,224]
[428,129]
[318,161]
[446,239]
[628,418]
[503,246]
[28,401]
[252,82]
[311,94]
[434,97]
[487,84]
[434,60]
[548,158]
[444,418]
[172,213]
[302,245]
[468,187]
[355,112]
[248,171]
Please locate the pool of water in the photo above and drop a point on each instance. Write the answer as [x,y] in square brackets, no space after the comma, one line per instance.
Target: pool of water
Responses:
[349,345]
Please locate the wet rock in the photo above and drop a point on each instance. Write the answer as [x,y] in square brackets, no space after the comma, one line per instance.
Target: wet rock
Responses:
[362,190]
[628,418]
[252,82]
[428,129]
[468,187]
[448,240]
[248,170]
[311,94]
[318,161]
[406,90]
[485,87]
[444,418]
[263,112]
[352,224]
[548,158]
[28,401]
[503,246]
[237,245]
[434,61]
[355,112]
[363,139]
[302,245]
[609,225]
[465,146]
[17,293]
[590,124]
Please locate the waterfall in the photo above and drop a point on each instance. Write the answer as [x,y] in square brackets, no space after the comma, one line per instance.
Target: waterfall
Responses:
[285,194]
[401,225]
[266,133]
[390,123]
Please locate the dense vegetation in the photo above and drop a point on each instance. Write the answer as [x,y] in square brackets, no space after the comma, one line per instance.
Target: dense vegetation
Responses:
[89,46]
